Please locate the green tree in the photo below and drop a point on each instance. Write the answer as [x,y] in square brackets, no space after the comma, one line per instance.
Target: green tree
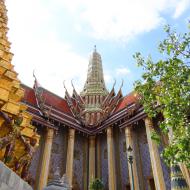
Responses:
[96,184]
[165,88]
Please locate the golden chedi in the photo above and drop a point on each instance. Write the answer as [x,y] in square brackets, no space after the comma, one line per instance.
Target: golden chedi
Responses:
[18,138]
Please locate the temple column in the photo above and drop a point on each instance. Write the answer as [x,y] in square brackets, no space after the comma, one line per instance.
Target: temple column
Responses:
[92,140]
[154,156]
[44,171]
[70,156]
[130,142]
[111,160]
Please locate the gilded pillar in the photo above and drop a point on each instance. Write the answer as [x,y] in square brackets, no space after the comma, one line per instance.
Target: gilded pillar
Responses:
[111,160]
[46,154]
[70,156]
[130,142]
[92,140]
[154,156]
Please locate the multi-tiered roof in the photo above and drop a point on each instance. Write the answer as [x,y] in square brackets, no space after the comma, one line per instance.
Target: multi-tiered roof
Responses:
[95,103]
[90,111]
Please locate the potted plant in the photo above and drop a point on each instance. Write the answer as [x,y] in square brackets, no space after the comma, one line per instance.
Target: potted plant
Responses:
[96,184]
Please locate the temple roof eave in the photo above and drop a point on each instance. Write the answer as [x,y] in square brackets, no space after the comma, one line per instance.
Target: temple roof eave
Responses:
[64,116]
[94,130]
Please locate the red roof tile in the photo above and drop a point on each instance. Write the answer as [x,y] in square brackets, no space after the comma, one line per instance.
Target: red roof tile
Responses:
[51,99]
[127,100]
[60,104]
[29,96]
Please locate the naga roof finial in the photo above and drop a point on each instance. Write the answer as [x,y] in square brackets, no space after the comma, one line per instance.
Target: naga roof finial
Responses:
[122,84]
[64,85]
[114,83]
[72,84]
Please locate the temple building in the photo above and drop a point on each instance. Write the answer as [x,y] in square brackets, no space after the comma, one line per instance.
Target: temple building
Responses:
[86,135]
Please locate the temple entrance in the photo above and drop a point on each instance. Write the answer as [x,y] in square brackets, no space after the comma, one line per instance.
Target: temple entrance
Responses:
[128,187]
[151,184]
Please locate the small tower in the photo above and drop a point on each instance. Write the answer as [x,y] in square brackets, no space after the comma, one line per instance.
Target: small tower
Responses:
[177,179]
[58,183]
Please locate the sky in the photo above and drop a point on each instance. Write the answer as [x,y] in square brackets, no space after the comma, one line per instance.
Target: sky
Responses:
[54,38]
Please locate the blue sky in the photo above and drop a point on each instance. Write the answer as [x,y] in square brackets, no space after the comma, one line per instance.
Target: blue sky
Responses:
[56,37]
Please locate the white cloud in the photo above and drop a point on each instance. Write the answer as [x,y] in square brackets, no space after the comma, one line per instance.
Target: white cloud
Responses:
[181,7]
[123,19]
[54,62]
[108,78]
[36,46]
[122,71]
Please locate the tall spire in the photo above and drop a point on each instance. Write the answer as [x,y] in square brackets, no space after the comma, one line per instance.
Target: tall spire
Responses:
[95,103]
[95,84]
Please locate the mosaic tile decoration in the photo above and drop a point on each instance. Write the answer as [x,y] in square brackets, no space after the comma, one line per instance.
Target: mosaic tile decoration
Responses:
[165,168]
[104,160]
[144,153]
[118,165]
[123,159]
[138,159]
[166,171]
[78,160]
[36,158]
[58,152]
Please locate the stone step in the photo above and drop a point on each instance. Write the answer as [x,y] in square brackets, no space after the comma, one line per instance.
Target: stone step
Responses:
[9,180]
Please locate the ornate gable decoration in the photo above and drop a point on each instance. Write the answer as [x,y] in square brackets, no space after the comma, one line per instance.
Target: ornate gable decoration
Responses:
[40,100]
[94,104]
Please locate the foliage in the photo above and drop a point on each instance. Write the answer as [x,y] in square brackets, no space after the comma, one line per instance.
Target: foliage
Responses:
[166,89]
[96,184]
